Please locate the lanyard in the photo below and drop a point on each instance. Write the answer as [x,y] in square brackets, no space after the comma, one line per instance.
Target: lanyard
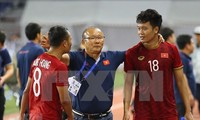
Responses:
[92,68]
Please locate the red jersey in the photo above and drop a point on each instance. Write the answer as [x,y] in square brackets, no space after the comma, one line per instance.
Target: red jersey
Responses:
[153,69]
[47,72]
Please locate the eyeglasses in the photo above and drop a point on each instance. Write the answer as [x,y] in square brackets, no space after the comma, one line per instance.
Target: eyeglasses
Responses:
[95,38]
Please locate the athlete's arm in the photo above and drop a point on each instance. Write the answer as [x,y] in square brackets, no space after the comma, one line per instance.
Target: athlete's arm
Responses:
[182,85]
[65,101]
[9,72]
[25,99]
[18,78]
[128,83]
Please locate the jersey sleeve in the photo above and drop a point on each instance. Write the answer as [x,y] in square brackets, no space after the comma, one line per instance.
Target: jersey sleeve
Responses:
[31,71]
[40,51]
[121,55]
[72,56]
[177,64]
[128,66]
[6,57]
[62,75]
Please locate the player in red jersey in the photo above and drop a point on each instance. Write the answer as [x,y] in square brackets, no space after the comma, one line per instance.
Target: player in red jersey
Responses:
[152,64]
[46,90]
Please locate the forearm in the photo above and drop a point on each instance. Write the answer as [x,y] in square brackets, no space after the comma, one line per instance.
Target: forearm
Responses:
[127,92]
[24,103]
[65,100]
[8,74]
[67,106]
[18,78]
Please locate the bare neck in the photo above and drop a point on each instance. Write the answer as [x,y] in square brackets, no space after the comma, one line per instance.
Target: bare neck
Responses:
[36,41]
[54,52]
[185,52]
[153,44]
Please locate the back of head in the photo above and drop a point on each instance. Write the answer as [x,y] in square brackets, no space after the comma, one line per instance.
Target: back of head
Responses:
[166,32]
[2,37]
[183,40]
[150,15]
[57,34]
[31,30]
[197,30]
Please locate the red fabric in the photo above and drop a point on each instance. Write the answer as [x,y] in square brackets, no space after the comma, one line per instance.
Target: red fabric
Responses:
[106,62]
[150,66]
[171,118]
[52,72]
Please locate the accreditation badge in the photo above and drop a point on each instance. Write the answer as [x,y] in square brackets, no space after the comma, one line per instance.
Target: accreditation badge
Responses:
[74,85]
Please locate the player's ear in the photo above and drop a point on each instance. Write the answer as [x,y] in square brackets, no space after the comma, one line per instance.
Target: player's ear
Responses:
[65,43]
[83,41]
[39,36]
[156,29]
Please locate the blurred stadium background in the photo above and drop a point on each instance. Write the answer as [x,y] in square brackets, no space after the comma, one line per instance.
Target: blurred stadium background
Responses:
[115,17]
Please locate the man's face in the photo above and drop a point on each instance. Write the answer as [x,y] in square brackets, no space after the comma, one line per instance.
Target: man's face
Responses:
[45,42]
[146,32]
[172,39]
[94,40]
[191,46]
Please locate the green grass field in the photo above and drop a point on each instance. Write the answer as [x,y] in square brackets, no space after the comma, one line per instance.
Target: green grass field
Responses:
[11,107]
[119,79]
[11,103]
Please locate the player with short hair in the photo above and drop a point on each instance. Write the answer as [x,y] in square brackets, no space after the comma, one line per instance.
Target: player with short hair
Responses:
[27,54]
[46,90]
[153,64]
[6,71]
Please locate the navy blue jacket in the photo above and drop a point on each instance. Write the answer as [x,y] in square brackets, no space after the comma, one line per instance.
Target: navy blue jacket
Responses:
[188,70]
[96,92]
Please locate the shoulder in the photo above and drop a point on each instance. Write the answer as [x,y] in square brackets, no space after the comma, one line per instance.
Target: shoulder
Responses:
[38,47]
[169,45]
[4,50]
[56,63]
[76,54]
[113,52]
[61,66]
[134,48]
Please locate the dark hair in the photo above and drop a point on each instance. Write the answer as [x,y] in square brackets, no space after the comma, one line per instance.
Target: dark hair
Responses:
[31,30]
[183,40]
[151,16]
[166,32]
[2,37]
[57,35]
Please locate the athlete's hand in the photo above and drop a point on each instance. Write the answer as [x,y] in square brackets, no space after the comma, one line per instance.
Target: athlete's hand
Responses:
[188,116]
[160,38]
[45,42]
[126,116]
[192,100]
[21,117]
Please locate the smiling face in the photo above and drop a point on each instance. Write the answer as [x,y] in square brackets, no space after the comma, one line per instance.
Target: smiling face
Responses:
[146,32]
[93,39]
